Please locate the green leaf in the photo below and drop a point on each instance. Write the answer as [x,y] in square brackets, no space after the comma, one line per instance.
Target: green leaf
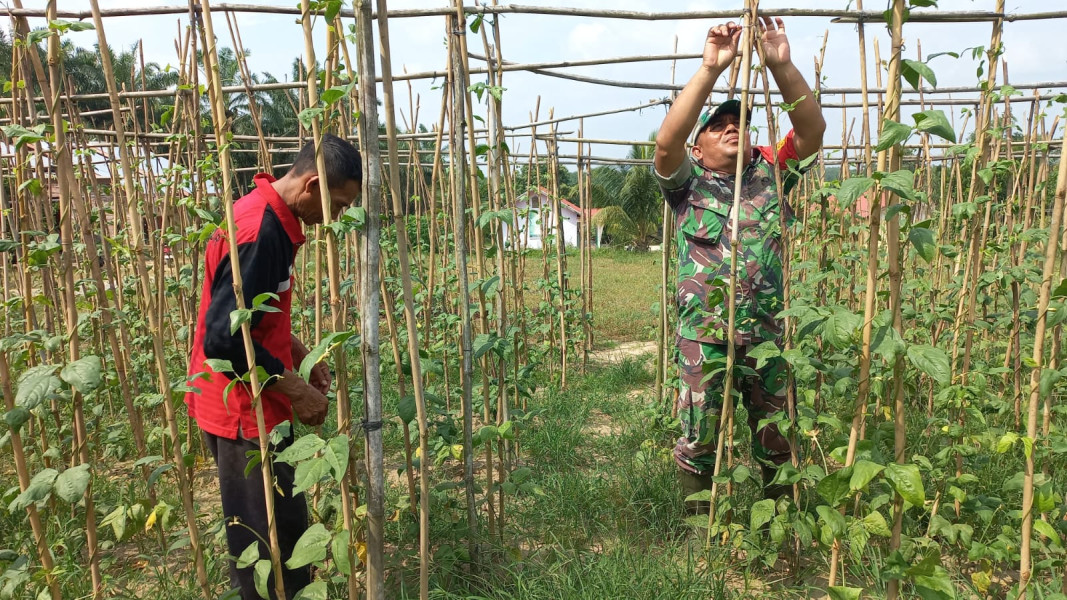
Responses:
[311,547]
[490,286]
[308,115]
[907,482]
[333,94]
[315,356]
[701,496]
[875,524]
[336,455]
[1049,378]
[333,8]
[935,122]
[405,408]
[72,483]
[901,183]
[302,449]
[238,317]
[932,361]
[851,190]
[315,591]
[476,24]
[762,512]
[833,518]
[36,385]
[840,327]
[862,474]
[308,473]
[16,418]
[763,353]
[912,70]
[156,473]
[341,556]
[39,488]
[1006,442]
[260,302]
[786,474]
[835,487]
[1061,290]
[840,592]
[260,574]
[923,240]
[1041,526]
[117,520]
[893,133]
[83,374]
[249,556]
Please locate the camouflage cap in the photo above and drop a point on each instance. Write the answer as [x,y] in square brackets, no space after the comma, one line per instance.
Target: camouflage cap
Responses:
[728,107]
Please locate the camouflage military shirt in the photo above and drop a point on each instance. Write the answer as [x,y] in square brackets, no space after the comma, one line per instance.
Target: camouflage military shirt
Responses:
[701,200]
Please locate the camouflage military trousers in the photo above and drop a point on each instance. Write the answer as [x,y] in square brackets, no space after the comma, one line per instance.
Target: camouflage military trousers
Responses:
[700,405]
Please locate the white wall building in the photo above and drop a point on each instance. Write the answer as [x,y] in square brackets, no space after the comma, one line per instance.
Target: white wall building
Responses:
[534,206]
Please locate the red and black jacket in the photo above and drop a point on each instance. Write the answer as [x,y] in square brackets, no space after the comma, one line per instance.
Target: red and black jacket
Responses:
[268,236]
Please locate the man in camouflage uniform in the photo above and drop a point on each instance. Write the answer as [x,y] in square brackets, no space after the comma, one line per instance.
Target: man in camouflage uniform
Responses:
[699,187]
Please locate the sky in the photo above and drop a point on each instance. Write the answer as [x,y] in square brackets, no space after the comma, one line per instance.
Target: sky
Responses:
[1034,52]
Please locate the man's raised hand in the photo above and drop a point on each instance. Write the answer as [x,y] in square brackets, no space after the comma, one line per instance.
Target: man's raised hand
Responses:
[775,44]
[720,48]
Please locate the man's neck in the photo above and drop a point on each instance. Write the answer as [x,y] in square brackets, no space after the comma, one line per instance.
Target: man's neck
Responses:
[726,167]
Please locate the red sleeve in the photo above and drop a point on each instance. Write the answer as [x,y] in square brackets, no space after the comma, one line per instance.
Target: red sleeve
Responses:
[786,150]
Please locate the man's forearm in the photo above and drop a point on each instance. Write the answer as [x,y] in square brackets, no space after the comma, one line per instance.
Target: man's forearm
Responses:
[806,116]
[682,116]
[793,87]
[686,107]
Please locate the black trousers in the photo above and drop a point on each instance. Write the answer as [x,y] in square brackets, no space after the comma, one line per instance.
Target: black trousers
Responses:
[245,509]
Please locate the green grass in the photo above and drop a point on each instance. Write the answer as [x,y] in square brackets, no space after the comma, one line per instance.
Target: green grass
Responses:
[625,292]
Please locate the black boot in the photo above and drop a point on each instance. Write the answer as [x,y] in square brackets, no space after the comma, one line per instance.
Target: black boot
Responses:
[693,483]
[774,492]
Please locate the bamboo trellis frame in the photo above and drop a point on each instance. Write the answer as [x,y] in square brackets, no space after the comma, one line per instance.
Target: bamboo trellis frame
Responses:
[583,157]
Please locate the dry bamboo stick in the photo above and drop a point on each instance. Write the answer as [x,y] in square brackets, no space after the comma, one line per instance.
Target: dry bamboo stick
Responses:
[725,421]
[136,246]
[839,16]
[459,181]
[411,322]
[221,125]
[1044,293]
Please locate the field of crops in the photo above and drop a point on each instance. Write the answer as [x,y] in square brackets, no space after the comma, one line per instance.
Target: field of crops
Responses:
[501,415]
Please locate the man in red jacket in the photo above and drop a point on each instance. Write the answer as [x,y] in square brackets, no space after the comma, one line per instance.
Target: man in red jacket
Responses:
[268,235]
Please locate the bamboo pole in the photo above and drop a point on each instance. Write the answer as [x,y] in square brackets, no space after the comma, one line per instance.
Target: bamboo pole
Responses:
[162,374]
[747,40]
[370,305]
[61,156]
[221,123]
[399,223]
[839,15]
[888,160]
[1044,293]
[459,120]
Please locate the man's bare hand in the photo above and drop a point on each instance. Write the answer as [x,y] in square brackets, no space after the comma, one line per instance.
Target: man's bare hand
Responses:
[721,46]
[320,378]
[775,44]
[309,405]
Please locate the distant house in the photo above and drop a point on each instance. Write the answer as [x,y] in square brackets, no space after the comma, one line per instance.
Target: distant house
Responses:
[534,206]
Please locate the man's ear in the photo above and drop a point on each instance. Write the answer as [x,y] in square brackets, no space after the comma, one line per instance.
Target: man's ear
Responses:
[309,183]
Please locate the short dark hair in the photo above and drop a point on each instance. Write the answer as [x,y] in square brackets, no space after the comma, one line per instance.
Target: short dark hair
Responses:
[343,162]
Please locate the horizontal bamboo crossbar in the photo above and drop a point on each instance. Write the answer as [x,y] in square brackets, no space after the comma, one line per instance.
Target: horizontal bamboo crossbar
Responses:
[298,85]
[838,15]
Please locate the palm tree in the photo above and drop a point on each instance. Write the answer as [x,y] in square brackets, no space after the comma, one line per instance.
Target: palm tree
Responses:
[631,199]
